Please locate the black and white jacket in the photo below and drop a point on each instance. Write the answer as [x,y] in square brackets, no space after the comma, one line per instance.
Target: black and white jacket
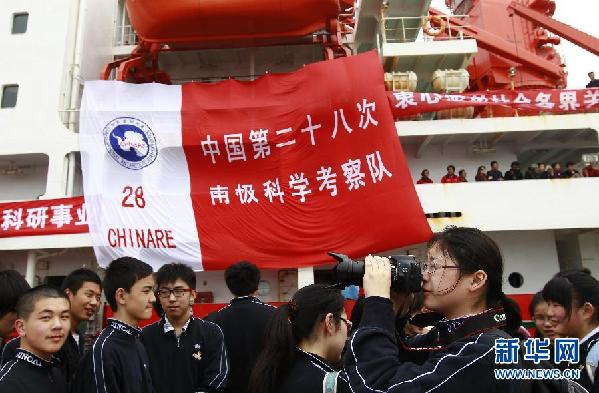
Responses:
[66,359]
[462,363]
[196,361]
[28,373]
[118,363]
[307,375]
[589,361]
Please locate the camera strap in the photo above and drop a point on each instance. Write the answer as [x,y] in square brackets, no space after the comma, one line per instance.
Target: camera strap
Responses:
[447,331]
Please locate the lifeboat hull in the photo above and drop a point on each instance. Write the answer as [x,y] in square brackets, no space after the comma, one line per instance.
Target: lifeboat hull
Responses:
[209,21]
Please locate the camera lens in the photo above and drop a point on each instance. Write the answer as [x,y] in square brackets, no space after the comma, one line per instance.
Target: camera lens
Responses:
[350,272]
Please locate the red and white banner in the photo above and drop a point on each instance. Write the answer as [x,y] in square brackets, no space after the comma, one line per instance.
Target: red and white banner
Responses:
[564,101]
[43,217]
[277,171]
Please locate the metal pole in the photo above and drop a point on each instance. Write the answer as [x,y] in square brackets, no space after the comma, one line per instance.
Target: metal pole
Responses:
[30,272]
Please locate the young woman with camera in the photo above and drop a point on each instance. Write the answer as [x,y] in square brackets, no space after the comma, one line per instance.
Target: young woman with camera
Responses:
[304,340]
[462,279]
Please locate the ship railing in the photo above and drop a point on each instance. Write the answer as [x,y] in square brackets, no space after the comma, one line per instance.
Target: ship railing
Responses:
[410,29]
[125,35]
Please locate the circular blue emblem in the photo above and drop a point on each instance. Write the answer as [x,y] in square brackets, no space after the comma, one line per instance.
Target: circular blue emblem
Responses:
[130,142]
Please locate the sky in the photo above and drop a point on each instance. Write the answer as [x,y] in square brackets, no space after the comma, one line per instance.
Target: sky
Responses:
[583,15]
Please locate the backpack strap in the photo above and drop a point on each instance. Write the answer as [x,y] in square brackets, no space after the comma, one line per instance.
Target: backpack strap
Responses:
[329,383]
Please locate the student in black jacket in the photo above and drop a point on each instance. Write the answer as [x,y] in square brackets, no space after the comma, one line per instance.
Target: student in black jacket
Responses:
[462,279]
[118,362]
[186,354]
[83,288]
[243,322]
[12,286]
[43,324]
[305,339]
[573,303]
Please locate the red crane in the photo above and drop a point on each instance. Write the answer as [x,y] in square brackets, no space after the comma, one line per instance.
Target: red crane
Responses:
[577,37]
[516,34]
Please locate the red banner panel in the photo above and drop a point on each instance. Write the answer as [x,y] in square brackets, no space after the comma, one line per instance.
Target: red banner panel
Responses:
[43,217]
[288,167]
[558,101]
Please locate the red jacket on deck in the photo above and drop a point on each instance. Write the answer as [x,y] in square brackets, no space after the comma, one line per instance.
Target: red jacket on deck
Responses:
[450,179]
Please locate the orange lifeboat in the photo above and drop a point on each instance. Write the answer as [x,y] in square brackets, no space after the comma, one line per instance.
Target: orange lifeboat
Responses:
[184,22]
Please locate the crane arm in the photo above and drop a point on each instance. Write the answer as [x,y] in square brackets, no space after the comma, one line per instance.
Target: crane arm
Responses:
[571,34]
[501,47]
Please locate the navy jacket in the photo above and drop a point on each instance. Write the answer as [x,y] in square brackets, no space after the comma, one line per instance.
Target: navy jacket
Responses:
[196,361]
[66,359]
[243,322]
[118,363]
[28,373]
[465,364]
[307,373]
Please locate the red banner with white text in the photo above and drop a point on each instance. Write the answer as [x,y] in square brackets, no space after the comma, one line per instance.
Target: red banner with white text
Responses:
[554,101]
[291,166]
[278,171]
[43,217]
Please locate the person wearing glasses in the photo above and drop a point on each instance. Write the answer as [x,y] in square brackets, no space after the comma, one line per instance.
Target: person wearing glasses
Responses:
[304,340]
[187,354]
[462,279]
[544,326]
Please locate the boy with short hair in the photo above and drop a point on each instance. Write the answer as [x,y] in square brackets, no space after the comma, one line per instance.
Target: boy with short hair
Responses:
[83,288]
[12,286]
[118,361]
[243,323]
[187,354]
[43,324]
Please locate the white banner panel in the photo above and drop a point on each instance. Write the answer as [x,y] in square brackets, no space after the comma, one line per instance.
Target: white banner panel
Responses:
[136,178]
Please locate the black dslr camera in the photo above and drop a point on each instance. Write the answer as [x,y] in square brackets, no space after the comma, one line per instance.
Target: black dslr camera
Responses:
[406,275]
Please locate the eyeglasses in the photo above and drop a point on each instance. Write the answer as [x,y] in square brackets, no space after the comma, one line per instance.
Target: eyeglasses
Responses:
[432,266]
[165,293]
[348,323]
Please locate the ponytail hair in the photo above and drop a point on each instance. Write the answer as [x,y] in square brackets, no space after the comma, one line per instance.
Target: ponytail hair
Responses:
[290,324]
[513,317]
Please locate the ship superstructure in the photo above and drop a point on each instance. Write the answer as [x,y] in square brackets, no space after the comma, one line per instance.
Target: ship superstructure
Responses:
[541,225]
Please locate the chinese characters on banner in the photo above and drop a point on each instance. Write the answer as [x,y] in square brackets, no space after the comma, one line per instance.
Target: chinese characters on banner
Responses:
[278,171]
[566,101]
[292,166]
[43,217]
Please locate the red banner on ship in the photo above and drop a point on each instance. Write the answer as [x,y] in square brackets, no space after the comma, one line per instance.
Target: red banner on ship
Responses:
[43,217]
[288,167]
[554,101]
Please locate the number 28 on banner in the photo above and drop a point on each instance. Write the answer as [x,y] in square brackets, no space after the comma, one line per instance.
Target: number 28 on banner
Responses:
[133,197]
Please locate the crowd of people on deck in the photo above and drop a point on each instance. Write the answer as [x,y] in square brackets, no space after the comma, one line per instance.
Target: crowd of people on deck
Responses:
[439,339]
[538,171]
